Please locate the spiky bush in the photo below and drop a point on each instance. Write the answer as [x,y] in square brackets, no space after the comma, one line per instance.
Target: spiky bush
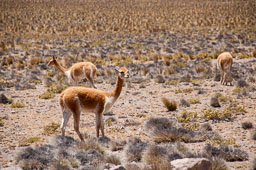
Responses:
[170,105]
[219,164]
[113,159]
[134,150]
[254,134]
[156,158]
[226,152]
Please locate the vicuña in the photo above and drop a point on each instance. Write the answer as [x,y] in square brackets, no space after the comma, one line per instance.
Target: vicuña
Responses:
[73,100]
[77,71]
[224,62]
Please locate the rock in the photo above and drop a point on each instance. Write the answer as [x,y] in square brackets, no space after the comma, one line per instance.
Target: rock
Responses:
[4,99]
[118,167]
[159,79]
[191,164]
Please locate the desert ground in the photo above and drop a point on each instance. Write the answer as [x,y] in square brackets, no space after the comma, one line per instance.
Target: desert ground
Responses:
[172,106]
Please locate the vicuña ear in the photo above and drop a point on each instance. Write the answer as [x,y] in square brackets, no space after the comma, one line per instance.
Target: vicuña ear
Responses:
[117,70]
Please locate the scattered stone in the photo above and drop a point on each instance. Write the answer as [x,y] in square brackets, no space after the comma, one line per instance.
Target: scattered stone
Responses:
[118,167]
[191,164]
[4,99]
[159,79]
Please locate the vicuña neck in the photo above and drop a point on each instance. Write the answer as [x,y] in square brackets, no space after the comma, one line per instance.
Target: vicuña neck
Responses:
[62,69]
[118,88]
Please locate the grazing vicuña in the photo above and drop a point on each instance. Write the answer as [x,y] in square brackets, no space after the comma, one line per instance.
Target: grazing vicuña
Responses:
[77,71]
[224,62]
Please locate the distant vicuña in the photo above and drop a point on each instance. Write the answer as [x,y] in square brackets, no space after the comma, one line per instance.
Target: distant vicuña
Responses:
[224,62]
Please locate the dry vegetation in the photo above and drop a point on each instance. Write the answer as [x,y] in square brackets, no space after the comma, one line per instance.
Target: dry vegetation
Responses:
[173,105]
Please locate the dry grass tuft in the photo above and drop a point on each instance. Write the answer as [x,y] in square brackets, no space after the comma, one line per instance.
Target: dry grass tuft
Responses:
[226,152]
[113,159]
[51,128]
[134,150]
[219,164]
[254,134]
[17,105]
[156,158]
[170,105]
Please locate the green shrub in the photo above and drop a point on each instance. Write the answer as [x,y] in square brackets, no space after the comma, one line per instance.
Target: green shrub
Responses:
[51,128]
[17,105]
[47,95]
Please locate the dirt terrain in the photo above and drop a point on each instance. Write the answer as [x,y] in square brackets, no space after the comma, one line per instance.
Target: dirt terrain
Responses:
[170,53]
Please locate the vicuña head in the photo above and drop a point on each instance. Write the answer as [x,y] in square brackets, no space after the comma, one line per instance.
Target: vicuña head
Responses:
[73,100]
[224,62]
[77,71]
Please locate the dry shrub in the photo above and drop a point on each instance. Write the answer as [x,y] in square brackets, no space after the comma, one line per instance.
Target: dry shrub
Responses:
[226,152]
[254,134]
[35,60]
[113,159]
[219,164]
[91,144]
[134,150]
[51,128]
[215,101]
[199,68]
[247,125]
[156,158]
[167,61]
[170,105]
[153,122]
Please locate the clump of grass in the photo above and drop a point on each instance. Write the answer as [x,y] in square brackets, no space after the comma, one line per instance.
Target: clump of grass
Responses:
[159,79]
[91,144]
[219,164]
[28,141]
[206,127]
[35,60]
[51,128]
[187,90]
[47,95]
[227,153]
[17,105]
[169,71]
[194,101]
[241,83]
[187,117]
[1,122]
[254,134]
[199,68]
[172,82]
[213,114]
[167,61]
[191,126]
[253,166]
[170,105]
[113,159]
[156,157]
[247,125]
[134,150]
[56,88]
[215,101]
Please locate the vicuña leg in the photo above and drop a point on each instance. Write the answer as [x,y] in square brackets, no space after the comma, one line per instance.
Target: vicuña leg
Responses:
[99,124]
[66,116]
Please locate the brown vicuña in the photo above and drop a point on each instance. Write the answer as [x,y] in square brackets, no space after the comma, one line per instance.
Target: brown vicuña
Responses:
[73,100]
[77,71]
[224,62]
